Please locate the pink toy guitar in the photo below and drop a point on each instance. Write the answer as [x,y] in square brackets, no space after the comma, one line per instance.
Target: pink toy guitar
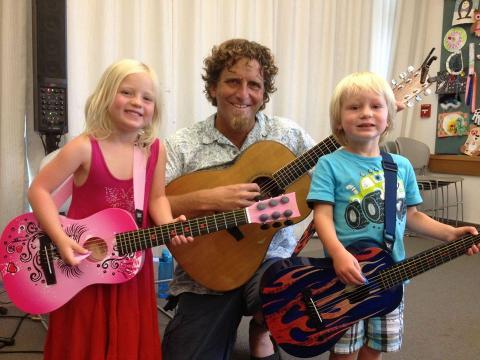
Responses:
[38,281]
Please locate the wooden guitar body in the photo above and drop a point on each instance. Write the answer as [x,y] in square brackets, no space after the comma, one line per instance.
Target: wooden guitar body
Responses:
[229,258]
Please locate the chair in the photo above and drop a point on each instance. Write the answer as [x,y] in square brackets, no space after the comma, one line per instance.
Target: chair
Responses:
[437,187]
[390,147]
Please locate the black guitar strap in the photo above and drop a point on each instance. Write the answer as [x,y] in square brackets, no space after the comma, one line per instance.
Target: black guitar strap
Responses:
[390,217]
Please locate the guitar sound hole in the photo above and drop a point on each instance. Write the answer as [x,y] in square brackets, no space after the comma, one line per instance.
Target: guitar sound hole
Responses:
[268,187]
[98,247]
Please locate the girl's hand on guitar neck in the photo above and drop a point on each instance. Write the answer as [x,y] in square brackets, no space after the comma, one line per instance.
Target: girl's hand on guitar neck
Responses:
[181,239]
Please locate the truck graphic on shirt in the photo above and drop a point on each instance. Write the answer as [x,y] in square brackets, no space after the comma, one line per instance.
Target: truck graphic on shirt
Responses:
[366,205]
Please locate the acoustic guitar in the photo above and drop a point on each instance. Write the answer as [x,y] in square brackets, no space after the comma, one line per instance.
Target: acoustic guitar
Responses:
[38,281]
[227,259]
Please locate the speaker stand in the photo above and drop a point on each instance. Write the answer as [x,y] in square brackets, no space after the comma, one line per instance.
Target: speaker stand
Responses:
[51,142]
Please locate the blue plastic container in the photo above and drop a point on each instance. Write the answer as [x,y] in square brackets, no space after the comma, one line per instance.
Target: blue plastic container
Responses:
[165,273]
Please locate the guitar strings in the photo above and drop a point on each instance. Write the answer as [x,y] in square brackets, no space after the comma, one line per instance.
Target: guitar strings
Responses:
[149,236]
[459,247]
[193,227]
[289,172]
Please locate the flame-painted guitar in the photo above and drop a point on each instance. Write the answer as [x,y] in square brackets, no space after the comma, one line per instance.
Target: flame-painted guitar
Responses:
[307,308]
[38,281]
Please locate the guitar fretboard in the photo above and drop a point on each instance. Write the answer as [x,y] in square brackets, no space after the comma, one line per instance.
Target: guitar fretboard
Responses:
[132,241]
[426,260]
[301,165]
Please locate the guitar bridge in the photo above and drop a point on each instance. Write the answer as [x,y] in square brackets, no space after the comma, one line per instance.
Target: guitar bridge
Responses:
[47,254]
[312,310]
[236,233]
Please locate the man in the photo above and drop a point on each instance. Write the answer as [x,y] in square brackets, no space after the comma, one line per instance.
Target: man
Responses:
[239,78]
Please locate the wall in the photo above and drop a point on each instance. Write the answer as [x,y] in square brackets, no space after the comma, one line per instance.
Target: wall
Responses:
[425,129]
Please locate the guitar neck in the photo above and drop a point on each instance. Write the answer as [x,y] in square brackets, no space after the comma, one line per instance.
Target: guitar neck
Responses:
[301,165]
[132,241]
[426,260]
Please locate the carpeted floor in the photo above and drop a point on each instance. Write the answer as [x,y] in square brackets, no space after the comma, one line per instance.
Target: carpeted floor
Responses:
[442,315]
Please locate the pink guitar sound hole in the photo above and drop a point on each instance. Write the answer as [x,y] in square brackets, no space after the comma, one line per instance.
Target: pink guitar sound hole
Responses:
[98,247]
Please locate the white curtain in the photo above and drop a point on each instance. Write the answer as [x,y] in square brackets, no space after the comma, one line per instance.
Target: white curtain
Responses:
[15,35]
[315,42]
[418,28]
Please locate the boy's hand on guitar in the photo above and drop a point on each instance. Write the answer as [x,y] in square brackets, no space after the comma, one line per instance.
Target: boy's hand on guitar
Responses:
[69,250]
[465,230]
[181,239]
[348,269]
[237,196]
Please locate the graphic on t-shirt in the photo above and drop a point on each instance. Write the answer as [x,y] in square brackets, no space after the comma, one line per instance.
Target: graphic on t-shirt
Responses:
[367,202]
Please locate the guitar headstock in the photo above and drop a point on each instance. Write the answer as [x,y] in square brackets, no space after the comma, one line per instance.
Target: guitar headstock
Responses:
[412,83]
[274,210]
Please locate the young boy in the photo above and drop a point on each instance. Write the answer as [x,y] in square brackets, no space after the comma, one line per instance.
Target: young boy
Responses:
[348,207]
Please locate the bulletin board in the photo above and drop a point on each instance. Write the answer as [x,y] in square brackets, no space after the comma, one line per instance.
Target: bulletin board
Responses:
[457,79]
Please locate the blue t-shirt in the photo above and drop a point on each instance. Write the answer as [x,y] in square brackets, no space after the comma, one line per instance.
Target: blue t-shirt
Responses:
[355,185]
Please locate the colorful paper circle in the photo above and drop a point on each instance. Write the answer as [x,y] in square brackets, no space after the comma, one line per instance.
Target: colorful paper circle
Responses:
[454,39]
[450,123]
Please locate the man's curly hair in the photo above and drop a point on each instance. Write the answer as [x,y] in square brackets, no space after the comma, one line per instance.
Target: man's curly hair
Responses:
[226,55]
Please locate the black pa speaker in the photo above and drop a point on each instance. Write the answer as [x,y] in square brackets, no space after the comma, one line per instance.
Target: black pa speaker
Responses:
[50,66]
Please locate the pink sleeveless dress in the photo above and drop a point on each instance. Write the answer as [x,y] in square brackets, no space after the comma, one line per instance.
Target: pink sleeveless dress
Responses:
[108,321]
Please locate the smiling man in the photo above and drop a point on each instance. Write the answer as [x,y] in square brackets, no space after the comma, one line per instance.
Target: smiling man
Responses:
[239,78]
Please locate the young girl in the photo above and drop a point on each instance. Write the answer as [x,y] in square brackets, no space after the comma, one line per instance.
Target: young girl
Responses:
[108,321]
[361,113]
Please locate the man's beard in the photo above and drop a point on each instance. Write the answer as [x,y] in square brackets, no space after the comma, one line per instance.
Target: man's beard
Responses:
[241,123]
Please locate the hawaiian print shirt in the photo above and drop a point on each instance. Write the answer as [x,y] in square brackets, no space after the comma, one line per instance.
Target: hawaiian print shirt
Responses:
[201,146]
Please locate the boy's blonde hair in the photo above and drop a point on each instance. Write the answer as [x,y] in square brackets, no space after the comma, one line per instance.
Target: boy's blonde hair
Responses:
[352,85]
[97,119]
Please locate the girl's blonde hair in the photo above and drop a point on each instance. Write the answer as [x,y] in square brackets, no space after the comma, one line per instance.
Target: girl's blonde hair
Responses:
[355,84]
[97,118]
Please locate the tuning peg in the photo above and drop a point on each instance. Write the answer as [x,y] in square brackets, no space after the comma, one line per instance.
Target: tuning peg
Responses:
[409,103]
[402,75]
[264,217]
[261,206]
[276,215]
[394,82]
[410,69]
[284,200]
[264,226]
[418,98]
[427,92]
[273,202]
[287,213]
